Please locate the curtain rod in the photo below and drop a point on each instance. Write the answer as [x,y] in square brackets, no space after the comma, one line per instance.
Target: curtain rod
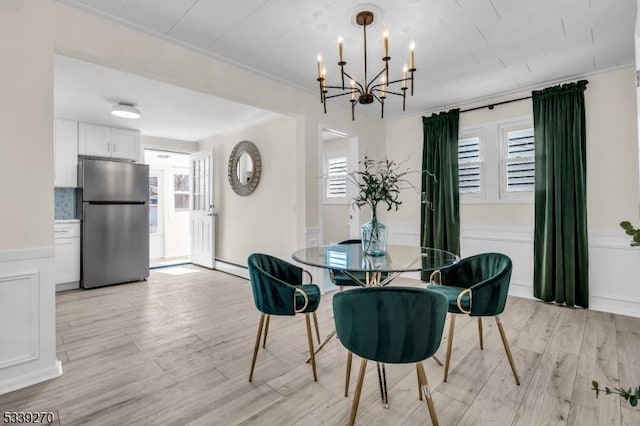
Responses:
[491,106]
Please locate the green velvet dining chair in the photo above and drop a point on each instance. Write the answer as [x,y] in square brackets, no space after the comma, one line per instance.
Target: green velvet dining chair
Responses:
[342,280]
[278,289]
[394,325]
[476,286]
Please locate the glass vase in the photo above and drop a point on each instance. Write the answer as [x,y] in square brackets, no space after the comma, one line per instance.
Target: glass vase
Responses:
[374,237]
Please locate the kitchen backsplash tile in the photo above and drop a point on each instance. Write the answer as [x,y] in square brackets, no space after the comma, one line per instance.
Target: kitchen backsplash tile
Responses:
[65,203]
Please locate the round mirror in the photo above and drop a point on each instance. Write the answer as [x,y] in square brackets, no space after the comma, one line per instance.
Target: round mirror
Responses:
[244,168]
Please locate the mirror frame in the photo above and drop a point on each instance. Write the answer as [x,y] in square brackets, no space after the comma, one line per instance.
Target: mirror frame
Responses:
[244,147]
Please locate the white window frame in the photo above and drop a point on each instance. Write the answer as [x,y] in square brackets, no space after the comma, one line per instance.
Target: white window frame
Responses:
[325,179]
[503,130]
[480,134]
[179,171]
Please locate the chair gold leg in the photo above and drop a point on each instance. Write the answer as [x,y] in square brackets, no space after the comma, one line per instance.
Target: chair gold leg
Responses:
[315,322]
[348,375]
[266,330]
[256,347]
[356,397]
[452,324]
[419,382]
[427,394]
[508,350]
[437,360]
[480,332]
[311,352]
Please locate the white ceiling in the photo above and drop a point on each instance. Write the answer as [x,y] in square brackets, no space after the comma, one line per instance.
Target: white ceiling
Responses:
[465,49]
[86,92]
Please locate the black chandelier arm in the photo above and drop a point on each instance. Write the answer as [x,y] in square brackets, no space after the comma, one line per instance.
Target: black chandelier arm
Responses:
[339,94]
[356,81]
[374,79]
[333,87]
[387,92]
[400,80]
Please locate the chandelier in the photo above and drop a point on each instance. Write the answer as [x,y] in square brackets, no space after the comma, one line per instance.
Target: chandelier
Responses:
[376,89]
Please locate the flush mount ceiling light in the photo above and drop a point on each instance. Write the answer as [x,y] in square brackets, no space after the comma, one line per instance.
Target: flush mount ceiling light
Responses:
[125,110]
[377,88]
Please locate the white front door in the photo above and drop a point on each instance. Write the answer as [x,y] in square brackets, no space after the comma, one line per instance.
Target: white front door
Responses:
[201,212]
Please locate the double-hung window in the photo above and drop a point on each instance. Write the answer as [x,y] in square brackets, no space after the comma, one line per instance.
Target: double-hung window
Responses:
[335,182]
[518,161]
[470,166]
[180,190]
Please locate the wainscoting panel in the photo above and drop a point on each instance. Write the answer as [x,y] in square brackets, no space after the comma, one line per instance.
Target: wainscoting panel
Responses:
[614,266]
[27,318]
[19,318]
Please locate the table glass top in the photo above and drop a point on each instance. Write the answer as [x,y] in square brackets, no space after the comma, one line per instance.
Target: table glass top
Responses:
[397,258]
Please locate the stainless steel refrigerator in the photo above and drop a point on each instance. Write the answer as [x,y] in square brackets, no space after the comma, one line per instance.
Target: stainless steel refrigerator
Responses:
[115,222]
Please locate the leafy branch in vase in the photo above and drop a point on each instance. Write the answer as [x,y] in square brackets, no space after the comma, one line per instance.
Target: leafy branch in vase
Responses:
[630,394]
[382,181]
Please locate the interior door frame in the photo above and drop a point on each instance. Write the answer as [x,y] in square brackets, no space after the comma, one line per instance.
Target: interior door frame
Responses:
[352,164]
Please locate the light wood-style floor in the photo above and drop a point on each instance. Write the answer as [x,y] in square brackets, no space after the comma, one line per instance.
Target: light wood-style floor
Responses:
[177,350]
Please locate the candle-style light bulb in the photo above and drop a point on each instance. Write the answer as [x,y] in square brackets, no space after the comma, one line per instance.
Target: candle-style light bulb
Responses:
[404,75]
[412,58]
[341,48]
[324,73]
[353,90]
[319,66]
[385,35]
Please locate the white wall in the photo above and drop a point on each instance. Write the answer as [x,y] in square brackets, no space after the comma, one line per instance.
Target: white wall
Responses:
[27,298]
[164,144]
[261,221]
[612,193]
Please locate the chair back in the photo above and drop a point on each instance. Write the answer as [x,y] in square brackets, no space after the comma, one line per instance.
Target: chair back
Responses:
[390,324]
[273,284]
[488,275]
[358,241]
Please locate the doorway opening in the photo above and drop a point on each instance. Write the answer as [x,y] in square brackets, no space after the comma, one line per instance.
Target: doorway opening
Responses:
[339,221]
[169,201]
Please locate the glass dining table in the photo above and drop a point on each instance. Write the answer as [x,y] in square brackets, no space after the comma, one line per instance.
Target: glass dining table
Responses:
[368,271]
[379,270]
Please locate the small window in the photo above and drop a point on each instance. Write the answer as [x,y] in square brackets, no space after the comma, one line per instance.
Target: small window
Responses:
[518,161]
[336,178]
[470,167]
[181,192]
[153,204]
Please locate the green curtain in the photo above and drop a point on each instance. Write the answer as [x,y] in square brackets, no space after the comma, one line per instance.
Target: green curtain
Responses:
[440,215]
[561,258]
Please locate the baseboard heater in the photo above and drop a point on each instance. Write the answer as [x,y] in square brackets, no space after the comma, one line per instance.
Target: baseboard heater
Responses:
[232,268]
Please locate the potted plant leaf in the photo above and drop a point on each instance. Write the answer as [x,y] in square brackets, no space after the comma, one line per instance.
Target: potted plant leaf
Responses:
[631,231]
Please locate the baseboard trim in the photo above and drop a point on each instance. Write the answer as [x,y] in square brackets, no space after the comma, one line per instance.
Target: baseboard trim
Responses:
[31,378]
[232,269]
[521,290]
[68,286]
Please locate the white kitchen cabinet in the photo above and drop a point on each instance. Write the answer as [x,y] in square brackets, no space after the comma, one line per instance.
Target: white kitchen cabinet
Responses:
[103,141]
[125,143]
[67,255]
[65,150]
[94,140]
